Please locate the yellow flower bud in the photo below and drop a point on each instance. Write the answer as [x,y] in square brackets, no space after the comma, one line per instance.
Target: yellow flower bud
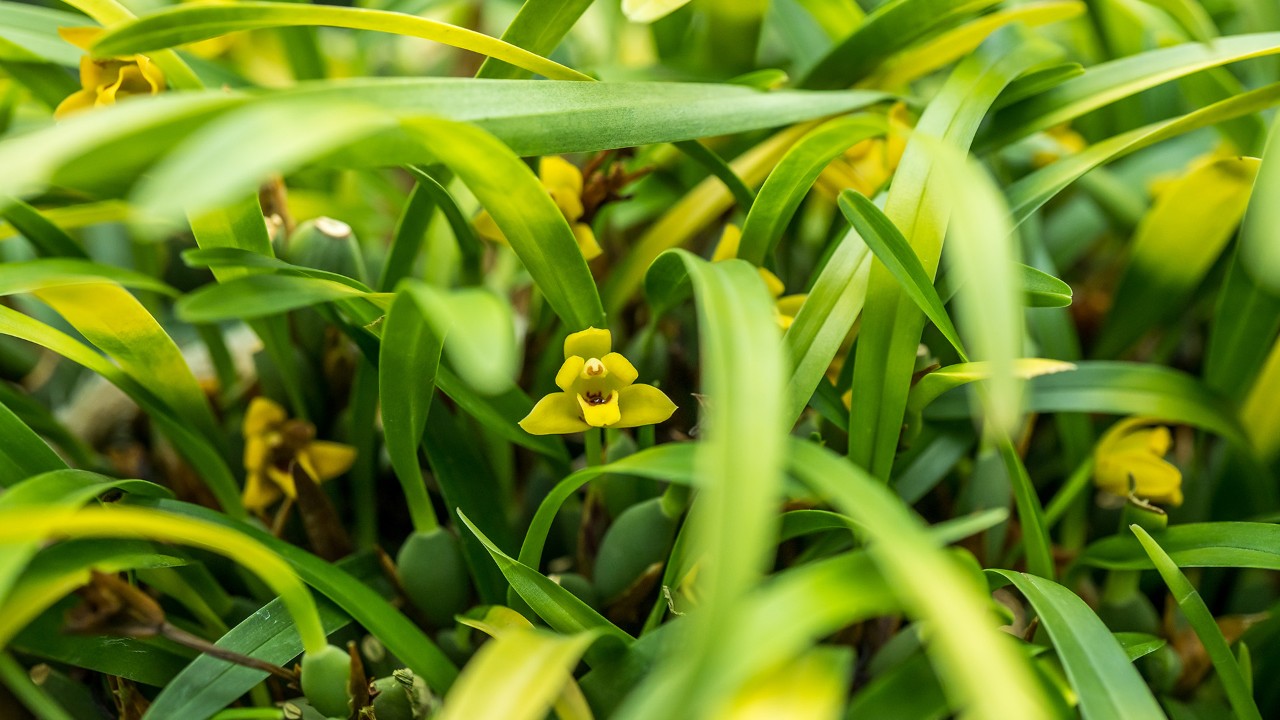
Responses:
[1129,459]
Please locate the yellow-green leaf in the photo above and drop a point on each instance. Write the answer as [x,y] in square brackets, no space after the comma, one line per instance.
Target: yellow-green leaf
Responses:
[516,676]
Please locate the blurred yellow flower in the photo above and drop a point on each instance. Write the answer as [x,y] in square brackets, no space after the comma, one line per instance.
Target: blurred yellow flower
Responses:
[599,390]
[563,181]
[103,81]
[213,47]
[1062,141]
[273,442]
[786,306]
[1129,459]
[868,165]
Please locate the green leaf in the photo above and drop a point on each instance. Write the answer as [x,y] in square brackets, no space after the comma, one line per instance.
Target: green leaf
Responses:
[193,446]
[561,609]
[114,321]
[192,23]
[149,662]
[920,473]
[525,213]
[500,413]
[400,636]
[110,12]
[1031,192]
[1206,627]
[470,248]
[811,686]
[469,484]
[909,690]
[890,333]
[35,275]
[59,569]
[1121,388]
[719,169]
[947,47]
[790,180]
[240,225]
[47,83]
[966,648]
[72,217]
[36,699]
[1263,413]
[474,327]
[740,459]
[824,322]
[647,11]
[23,453]
[1261,256]
[1215,544]
[407,365]
[1105,682]
[209,684]
[31,33]
[671,462]
[1042,290]
[47,238]
[69,488]
[410,235]
[258,296]
[538,27]
[934,384]
[1107,82]
[1246,314]
[895,253]
[1039,288]
[517,675]
[694,212]
[799,606]
[1036,82]
[228,257]
[1035,530]
[1137,645]
[207,169]
[891,28]
[983,254]
[531,117]
[808,27]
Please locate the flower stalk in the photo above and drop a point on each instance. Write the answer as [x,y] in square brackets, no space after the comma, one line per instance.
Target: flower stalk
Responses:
[594,447]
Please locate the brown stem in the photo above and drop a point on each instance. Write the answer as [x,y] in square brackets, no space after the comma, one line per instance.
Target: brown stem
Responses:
[199,644]
[282,516]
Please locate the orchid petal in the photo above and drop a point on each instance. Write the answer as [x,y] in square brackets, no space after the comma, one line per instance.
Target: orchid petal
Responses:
[569,372]
[643,405]
[589,343]
[603,414]
[621,371]
[555,414]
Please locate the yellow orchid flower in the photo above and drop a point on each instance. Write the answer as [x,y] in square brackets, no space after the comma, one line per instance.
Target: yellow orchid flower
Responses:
[786,306]
[1129,458]
[216,46]
[869,164]
[599,390]
[1165,180]
[563,181]
[1063,141]
[103,81]
[272,442]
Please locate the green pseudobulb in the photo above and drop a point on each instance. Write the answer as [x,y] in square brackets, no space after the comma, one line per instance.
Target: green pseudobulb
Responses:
[434,575]
[325,675]
[641,536]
